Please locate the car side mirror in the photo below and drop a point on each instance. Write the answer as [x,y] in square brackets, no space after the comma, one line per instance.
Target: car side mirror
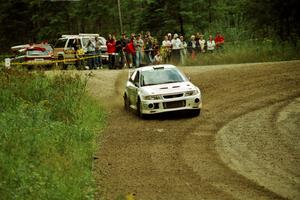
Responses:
[136,84]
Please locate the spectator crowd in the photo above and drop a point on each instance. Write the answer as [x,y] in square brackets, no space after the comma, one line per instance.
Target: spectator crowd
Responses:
[136,50]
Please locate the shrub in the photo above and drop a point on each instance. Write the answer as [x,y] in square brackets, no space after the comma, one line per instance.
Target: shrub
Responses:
[47,136]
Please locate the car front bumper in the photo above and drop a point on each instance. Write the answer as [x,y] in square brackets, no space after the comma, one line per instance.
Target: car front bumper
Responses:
[176,104]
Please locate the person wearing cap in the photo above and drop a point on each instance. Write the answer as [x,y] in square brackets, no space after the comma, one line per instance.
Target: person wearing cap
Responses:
[192,47]
[176,46]
[169,36]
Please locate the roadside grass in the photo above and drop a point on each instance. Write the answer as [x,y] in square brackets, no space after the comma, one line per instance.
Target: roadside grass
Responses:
[248,52]
[48,130]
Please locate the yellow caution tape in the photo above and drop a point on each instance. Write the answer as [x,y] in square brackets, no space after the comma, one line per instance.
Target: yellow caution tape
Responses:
[61,61]
[53,61]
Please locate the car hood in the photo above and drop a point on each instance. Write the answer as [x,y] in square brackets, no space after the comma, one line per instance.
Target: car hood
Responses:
[167,88]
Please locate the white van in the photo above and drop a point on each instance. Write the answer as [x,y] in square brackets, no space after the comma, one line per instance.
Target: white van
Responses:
[64,47]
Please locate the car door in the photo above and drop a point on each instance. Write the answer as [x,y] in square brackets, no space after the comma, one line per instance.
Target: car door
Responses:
[133,87]
[69,50]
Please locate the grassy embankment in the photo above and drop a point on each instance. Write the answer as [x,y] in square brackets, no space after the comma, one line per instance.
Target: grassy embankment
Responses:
[249,52]
[48,129]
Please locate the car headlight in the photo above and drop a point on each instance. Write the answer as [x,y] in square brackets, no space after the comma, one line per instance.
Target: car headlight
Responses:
[191,93]
[152,97]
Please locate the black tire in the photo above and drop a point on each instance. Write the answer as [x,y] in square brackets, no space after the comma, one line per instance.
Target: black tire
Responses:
[138,108]
[126,103]
[61,64]
[196,112]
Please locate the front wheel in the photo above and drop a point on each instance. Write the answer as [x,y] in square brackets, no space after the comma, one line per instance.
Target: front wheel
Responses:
[196,113]
[139,109]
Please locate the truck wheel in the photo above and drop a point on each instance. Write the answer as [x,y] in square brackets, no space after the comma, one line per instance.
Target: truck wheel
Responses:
[61,64]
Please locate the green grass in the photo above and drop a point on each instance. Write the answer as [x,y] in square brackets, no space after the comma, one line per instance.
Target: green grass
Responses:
[48,129]
[249,52]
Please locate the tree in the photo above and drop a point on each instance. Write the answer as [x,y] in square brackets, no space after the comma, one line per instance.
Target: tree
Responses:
[22,21]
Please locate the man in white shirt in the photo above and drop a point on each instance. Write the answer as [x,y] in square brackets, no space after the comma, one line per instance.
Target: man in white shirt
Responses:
[176,46]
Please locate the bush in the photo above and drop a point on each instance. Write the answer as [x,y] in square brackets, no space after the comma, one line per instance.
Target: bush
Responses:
[47,136]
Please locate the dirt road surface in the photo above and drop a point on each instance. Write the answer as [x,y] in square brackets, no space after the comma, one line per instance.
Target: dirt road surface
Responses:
[245,144]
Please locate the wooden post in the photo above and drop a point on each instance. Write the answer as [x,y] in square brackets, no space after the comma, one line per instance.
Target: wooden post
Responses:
[120,16]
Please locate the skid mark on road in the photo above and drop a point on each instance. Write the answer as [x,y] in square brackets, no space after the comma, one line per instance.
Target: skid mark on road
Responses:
[251,146]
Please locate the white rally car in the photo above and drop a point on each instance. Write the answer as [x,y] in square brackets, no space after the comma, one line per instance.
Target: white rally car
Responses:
[160,88]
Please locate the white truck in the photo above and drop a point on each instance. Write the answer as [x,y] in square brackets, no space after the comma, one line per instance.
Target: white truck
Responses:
[64,48]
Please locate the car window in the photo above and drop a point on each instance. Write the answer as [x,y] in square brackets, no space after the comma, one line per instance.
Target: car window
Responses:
[161,76]
[136,80]
[60,43]
[36,53]
[132,76]
[20,53]
[85,41]
[70,43]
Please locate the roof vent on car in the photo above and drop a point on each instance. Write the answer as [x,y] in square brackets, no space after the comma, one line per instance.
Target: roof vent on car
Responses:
[158,67]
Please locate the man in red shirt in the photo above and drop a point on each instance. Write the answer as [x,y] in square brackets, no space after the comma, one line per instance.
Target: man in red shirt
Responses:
[130,52]
[219,40]
[111,50]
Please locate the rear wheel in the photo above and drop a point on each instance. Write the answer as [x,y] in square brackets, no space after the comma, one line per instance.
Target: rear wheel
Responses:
[126,103]
[61,63]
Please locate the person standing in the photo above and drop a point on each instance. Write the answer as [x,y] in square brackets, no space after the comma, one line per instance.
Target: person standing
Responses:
[78,52]
[111,50]
[148,50]
[192,47]
[166,49]
[176,46]
[219,40]
[130,52]
[124,42]
[202,44]
[183,52]
[138,45]
[91,54]
[210,44]
[197,39]
[98,44]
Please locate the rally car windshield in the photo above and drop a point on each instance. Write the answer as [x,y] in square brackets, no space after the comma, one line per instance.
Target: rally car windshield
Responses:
[157,77]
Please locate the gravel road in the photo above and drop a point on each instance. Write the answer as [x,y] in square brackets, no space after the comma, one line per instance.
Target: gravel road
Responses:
[245,144]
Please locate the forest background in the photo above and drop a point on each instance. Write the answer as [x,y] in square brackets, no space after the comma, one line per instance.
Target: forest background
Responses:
[23,21]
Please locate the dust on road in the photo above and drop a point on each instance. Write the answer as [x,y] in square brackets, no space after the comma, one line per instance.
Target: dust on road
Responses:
[245,144]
